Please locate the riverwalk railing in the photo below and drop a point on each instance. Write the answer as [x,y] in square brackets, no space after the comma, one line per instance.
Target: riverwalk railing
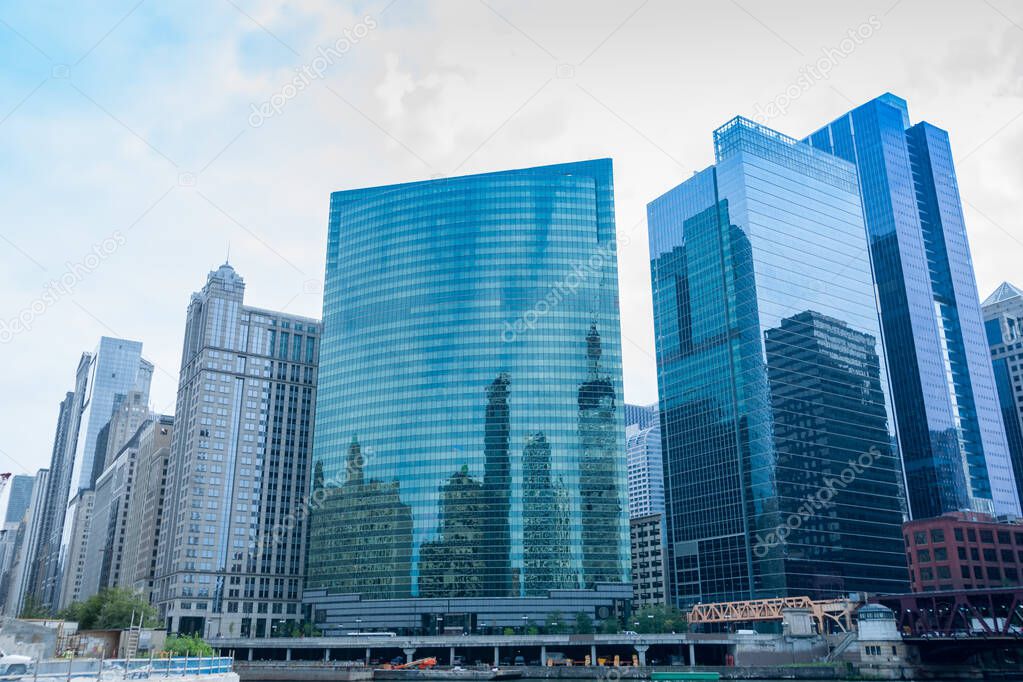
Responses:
[127,669]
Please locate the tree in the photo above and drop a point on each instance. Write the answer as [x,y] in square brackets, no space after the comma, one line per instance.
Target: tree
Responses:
[660,618]
[610,627]
[583,623]
[110,609]
[555,623]
[33,609]
[187,645]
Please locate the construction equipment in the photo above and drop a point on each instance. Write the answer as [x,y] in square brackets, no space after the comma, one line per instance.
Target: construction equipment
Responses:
[420,663]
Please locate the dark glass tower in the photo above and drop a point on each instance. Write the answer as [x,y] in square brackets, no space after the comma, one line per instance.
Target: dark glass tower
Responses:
[953,442]
[781,473]
[472,354]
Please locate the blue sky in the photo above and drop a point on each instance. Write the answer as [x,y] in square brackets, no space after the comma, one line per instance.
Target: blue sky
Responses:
[127,132]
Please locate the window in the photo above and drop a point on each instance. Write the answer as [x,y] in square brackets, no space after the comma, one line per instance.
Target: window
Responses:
[944,572]
[920,537]
[926,574]
[937,535]
[940,554]
[923,555]
[972,534]
[987,536]
[958,532]
[1003,537]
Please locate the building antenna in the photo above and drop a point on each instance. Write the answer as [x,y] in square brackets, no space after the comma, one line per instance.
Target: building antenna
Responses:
[228,259]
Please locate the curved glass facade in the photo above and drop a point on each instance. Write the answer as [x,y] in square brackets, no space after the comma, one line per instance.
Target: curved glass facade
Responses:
[469,429]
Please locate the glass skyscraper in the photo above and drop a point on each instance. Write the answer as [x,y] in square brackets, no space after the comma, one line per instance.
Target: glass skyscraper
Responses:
[1003,322]
[469,457]
[953,442]
[782,474]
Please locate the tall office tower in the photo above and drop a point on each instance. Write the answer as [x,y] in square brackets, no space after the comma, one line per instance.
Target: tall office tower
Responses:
[781,478]
[104,547]
[25,560]
[114,369]
[1003,322]
[643,458]
[469,451]
[232,540]
[77,526]
[953,443]
[19,497]
[145,517]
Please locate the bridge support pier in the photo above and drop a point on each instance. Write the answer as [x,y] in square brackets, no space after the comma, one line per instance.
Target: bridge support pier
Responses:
[641,650]
[326,654]
[451,655]
[543,654]
[287,654]
[497,656]
[692,654]
[250,653]
[593,654]
[409,653]
[367,656]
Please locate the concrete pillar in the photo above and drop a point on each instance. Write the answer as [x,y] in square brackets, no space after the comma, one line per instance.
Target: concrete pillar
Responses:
[287,654]
[367,656]
[326,654]
[543,654]
[641,650]
[451,655]
[593,654]
[408,654]
[497,656]
[692,654]
[250,653]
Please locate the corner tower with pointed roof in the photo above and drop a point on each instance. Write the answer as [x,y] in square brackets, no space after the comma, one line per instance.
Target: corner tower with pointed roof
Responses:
[1003,323]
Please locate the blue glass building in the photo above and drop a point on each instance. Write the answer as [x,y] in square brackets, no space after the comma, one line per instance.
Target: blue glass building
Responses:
[950,428]
[469,455]
[781,468]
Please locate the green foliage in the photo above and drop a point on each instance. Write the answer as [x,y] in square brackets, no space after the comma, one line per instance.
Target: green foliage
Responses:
[187,645]
[610,627]
[508,631]
[555,623]
[110,609]
[583,623]
[304,629]
[33,609]
[660,618]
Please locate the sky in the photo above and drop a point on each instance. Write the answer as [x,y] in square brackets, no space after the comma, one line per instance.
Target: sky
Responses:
[141,140]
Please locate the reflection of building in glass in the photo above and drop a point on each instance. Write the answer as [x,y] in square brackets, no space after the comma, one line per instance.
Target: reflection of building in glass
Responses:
[454,565]
[952,439]
[546,536]
[1003,322]
[472,341]
[600,470]
[836,472]
[366,528]
[773,230]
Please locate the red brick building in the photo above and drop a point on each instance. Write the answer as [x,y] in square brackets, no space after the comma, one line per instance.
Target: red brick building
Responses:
[963,550]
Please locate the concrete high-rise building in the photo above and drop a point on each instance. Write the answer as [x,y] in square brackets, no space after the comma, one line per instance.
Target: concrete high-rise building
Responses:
[1003,322]
[469,466]
[26,554]
[953,442]
[649,565]
[231,545]
[643,458]
[103,378]
[781,478]
[20,494]
[145,517]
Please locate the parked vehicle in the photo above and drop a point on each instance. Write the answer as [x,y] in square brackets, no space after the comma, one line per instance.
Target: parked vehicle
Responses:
[12,664]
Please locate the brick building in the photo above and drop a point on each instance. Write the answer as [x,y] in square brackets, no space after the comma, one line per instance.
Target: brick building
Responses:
[963,550]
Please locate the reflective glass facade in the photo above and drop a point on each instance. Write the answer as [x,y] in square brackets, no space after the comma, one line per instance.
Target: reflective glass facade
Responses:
[953,442]
[782,476]
[469,427]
